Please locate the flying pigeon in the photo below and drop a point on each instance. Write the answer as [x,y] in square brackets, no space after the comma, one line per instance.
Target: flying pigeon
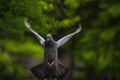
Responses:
[51,68]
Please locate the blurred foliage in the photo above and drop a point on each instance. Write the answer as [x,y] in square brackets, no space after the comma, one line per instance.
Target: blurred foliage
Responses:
[97,46]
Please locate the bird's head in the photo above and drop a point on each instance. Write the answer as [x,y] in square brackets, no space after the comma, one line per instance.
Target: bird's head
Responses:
[49,37]
[50,42]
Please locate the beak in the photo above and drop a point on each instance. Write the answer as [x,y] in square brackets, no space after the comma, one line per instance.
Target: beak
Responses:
[48,39]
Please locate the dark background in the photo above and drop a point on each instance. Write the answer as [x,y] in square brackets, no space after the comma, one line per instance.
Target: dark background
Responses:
[92,54]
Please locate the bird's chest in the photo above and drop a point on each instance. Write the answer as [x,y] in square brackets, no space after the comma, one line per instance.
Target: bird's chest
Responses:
[50,54]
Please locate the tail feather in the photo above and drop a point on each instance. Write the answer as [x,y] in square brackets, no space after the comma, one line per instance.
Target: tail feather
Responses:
[62,71]
[42,72]
[39,71]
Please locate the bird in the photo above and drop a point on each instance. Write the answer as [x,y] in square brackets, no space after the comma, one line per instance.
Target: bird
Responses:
[51,68]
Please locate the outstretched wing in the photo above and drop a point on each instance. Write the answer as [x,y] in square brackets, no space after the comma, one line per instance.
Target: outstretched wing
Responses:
[63,40]
[41,39]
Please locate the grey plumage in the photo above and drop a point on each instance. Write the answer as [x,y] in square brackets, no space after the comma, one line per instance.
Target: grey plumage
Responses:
[40,38]
[63,40]
[51,67]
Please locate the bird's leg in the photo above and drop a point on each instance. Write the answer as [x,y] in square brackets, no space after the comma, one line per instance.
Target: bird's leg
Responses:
[50,64]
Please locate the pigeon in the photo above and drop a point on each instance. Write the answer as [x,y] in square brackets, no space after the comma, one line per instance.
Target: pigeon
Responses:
[51,68]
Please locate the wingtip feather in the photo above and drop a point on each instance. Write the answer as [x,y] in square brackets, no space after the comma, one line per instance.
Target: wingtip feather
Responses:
[26,23]
[79,28]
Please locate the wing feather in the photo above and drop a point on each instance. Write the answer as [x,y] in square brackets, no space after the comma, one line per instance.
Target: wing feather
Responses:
[40,38]
[63,40]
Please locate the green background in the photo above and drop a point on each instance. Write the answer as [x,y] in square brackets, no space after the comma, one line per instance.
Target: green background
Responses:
[92,54]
